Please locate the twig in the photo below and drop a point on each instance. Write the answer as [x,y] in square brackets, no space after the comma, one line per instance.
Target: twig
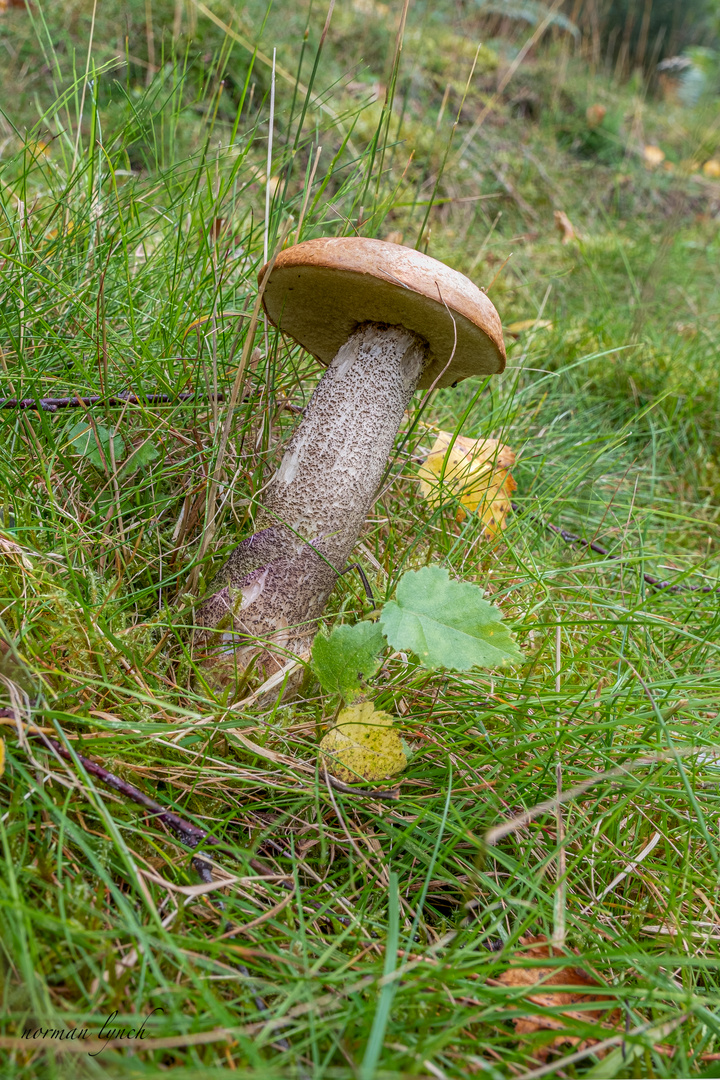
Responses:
[535,36]
[190,835]
[572,538]
[560,903]
[76,402]
[52,405]
[363,578]
[616,774]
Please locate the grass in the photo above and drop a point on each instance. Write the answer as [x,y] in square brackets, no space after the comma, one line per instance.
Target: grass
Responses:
[132,229]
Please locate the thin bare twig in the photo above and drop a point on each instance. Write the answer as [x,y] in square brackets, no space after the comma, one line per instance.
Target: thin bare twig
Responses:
[52,405]
[572,538]
[616,774]
[560,902]
[190,835]
[363,578]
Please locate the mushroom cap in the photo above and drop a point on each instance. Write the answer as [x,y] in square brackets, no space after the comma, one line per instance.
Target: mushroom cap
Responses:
[319,291]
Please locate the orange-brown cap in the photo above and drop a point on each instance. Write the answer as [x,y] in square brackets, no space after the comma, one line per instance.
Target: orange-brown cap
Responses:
[319,291]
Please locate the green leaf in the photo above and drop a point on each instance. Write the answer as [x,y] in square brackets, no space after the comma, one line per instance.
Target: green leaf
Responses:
[82,441]
[145,454]
[347,657]
[447,623]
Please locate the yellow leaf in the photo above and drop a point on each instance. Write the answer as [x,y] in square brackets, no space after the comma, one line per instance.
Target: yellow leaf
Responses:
[711,168]
[477,471]
[517,328]
[52,234]
[203,319]
[363,745]
[653,156]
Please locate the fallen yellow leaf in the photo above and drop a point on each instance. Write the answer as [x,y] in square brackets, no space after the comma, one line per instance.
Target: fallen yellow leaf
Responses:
[711,168]
[477,471]
[517,328]
[653,156]
[38,149]
[363,745]
[52,234]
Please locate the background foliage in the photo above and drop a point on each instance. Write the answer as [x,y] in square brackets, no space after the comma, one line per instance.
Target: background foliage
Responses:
[359,935]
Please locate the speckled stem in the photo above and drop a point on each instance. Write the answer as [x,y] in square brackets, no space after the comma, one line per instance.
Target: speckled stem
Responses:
[275,585]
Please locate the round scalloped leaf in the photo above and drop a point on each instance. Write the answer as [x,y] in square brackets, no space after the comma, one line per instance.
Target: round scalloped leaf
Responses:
[363,745]
[347,657]
[447,623]
[86,440]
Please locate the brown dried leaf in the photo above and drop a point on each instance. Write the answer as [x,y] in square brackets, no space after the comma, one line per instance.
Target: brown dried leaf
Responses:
[565,227]
[605,1015]
[477,471]
[218,227]
[595,114]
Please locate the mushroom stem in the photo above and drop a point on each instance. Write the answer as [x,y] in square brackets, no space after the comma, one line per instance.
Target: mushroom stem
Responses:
[275,585]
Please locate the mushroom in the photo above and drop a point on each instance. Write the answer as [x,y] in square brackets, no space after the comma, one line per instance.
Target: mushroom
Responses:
[385,320]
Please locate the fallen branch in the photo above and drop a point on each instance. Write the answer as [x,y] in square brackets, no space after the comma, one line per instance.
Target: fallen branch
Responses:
[572,538]
[190,835]
[52,405]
